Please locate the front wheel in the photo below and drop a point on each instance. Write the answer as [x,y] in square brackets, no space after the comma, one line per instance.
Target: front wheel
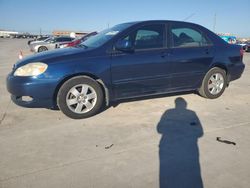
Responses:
[42,49]
[246,49]
[213,84]
[80,97]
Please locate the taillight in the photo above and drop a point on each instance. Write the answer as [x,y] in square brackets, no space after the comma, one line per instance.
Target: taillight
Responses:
[241,53]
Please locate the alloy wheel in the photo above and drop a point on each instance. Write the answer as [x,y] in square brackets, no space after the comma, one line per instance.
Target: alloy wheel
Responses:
[215,83]
[81,98]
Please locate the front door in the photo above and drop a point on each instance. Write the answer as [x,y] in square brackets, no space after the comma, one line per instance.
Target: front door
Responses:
[145,70]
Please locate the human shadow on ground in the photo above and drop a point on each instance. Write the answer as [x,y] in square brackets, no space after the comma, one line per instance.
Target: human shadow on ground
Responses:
[178,149]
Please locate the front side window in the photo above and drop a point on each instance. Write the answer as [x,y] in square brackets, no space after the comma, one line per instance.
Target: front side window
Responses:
[149,37]
[146,37]
[187,37]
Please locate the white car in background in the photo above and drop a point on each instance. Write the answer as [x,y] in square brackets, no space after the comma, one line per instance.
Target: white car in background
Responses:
[49,44]
[40,39]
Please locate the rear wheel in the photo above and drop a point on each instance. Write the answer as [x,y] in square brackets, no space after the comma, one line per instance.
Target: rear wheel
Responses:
[213,84]
[42,48]
[80,97]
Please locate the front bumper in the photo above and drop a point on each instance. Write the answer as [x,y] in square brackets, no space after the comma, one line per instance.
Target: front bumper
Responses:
[41,91]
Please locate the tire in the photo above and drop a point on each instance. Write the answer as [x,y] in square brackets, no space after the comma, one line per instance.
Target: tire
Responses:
[213,84]
[246,49]
[42,49]
[80,97]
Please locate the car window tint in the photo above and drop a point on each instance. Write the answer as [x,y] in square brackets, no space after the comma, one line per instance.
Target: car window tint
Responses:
[42,38]
[61,39]
[57,39]
[149,37]
[187,37]
[68,39]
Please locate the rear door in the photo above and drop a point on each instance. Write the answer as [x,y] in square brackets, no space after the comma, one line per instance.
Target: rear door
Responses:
[146,69]
[191,54]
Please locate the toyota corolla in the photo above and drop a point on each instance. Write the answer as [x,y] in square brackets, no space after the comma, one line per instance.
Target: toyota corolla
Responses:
[126,61]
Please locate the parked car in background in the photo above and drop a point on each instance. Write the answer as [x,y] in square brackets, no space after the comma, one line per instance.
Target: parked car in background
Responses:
[39,39]
[23,36]
[78,41]
[127,61]
[49,44]
[229,39]
[242,44]
[247,46]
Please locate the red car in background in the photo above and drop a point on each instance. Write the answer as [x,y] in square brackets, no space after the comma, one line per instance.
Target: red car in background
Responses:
[78,41]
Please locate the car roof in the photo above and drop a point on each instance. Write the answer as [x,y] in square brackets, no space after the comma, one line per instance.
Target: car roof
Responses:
[215,38]
[159,21]
[63,37]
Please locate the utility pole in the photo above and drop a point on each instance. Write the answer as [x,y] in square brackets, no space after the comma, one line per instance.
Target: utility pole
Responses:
[40,31]
[215,17]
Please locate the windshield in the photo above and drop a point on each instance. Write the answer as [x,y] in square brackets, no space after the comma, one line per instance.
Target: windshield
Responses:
[48,39]
[42,38]
[104,36]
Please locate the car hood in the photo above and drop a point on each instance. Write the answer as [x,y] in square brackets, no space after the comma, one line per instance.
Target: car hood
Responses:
[36,41]
[47,56]
[39,43]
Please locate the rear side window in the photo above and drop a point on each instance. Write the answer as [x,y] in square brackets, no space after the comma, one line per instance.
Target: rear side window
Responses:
[183,37]
[67,39]
[62,39]
[58,39]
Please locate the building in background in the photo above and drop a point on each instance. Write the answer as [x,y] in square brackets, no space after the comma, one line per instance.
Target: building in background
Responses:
[228,37]
[7,34]
[69,33]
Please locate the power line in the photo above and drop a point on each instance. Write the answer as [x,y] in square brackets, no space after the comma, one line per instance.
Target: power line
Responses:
[215,19]
[190,16]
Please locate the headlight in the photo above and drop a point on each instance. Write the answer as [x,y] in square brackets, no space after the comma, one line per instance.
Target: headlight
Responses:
[63,46]
[31,69]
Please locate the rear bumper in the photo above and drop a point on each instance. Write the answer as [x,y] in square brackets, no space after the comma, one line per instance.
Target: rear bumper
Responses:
[41,91]
[235,71]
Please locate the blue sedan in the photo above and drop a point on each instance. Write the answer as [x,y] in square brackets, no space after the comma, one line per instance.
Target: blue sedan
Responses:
[126,61]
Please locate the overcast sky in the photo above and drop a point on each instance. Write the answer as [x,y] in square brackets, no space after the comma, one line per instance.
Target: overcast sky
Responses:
[80,15]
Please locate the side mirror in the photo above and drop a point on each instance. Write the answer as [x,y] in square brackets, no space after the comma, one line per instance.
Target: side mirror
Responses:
[124,46]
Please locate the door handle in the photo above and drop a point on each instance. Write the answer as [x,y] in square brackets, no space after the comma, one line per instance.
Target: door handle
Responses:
[207,51]
[164,54]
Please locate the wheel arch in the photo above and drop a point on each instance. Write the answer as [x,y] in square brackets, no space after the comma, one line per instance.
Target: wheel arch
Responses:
[220,65]
[223,67]
[102,84]
[41,46]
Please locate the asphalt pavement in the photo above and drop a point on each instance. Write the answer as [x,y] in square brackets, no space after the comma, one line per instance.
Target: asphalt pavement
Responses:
[185,139]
